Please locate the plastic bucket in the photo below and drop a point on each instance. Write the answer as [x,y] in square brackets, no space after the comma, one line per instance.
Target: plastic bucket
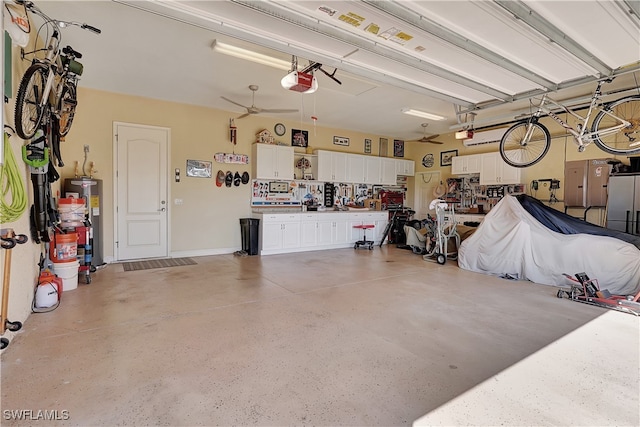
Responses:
[64,248]
[68,272]
[71,212]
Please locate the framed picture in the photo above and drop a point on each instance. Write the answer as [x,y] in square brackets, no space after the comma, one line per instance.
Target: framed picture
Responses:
[308,176]
[367,146]
[340,140]
[199,168]
[398,148]
[383,147]
[447,156]
[299,138]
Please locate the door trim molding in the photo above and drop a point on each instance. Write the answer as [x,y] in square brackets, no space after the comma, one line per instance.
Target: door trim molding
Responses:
[116,257]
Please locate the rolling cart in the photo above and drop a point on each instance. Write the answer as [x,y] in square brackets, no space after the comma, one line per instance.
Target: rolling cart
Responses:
[441,238]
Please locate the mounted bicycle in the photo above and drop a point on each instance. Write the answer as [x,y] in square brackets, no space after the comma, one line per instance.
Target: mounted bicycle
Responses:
[615,129]
[49,84]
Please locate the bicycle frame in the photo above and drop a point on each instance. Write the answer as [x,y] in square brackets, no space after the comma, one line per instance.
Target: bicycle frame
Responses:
[53,53]
[581,136]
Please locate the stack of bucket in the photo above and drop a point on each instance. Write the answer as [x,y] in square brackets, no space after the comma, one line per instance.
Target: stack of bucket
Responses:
[63,248]
[71,212]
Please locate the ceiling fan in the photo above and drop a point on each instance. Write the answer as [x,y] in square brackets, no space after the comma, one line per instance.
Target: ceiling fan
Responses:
[256,110]
[426,138]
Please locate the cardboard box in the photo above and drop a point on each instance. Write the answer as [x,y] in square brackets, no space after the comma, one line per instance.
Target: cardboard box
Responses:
[373,204]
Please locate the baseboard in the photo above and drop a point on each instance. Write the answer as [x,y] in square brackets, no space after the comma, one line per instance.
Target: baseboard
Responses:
[203,252]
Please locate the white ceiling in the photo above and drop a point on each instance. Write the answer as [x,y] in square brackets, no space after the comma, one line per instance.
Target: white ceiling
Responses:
[443,57]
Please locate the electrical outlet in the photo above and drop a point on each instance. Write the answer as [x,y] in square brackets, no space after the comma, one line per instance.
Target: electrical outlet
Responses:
[86,148]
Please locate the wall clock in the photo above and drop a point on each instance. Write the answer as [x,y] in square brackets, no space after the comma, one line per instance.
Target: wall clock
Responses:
[279,129]
[427,161]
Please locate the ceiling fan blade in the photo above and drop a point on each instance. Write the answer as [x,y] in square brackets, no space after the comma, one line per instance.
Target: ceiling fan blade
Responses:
[233,102]
[278,110]
[434,142]
[429,138]
[242,116]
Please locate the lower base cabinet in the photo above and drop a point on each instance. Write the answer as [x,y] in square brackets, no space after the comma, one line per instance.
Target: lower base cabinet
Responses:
[297,232]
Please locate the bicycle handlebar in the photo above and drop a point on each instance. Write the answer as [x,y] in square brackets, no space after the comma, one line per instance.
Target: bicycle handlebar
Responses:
[62,24]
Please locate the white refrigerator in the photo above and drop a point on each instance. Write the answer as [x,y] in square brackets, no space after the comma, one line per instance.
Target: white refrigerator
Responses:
[623,206]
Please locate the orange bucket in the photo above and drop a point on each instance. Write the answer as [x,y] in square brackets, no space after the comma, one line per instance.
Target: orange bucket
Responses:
[64,247]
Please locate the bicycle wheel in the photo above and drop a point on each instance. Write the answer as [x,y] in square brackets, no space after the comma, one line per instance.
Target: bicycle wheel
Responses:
[519,153]
[66,107]
[29,112]
[620,142]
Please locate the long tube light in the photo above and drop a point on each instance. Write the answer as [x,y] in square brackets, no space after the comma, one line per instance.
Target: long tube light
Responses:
[422,114]
[249,55]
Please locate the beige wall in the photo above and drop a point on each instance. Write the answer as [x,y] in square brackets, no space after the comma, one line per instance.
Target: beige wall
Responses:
[207,221]
[551,166]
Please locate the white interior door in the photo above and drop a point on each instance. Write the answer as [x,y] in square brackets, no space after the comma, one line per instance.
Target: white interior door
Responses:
[141,191]
[426,183]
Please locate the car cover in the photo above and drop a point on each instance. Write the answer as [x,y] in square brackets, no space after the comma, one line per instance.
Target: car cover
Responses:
[510,242]
[566,224]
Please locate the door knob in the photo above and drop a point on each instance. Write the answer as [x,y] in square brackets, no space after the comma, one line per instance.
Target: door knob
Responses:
[161,209]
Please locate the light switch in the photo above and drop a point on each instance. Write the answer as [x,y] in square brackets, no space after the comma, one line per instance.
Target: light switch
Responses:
[178,201]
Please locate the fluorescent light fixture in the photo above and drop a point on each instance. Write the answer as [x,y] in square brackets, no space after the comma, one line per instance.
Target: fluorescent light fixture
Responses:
[249,55]
[422,114]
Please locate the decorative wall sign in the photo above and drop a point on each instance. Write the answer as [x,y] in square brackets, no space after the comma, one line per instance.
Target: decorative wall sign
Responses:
[340,140]
[367,146]
[428,160]
[398,148]
[447,156]
[299,138]
[199,168]
[383,147]
[242,159]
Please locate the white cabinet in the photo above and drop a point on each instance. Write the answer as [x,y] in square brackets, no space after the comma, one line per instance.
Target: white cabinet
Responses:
[320,230]
[388,171]
[378,219]
[372,170]
[272,161]
[332,166]
[494,171]
[279,233]
[308,230]
[356,168]
[466,164]
[405,167]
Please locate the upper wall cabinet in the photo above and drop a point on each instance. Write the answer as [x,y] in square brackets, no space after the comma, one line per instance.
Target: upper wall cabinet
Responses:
[272,161]
[332,166]
[405,167]
[493,170]
[462,165]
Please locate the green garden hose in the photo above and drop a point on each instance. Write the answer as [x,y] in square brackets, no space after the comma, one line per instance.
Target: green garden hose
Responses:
[13,202]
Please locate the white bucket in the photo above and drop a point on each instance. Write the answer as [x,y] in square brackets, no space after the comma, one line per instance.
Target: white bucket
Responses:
[71,212]
[68,272]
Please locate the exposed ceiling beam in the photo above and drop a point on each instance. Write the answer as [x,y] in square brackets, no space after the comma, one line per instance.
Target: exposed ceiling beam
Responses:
[423,23]
[182,13]
[533,19]
[360,43]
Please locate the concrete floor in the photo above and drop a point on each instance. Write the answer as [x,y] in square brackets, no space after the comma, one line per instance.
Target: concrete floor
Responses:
[338,337]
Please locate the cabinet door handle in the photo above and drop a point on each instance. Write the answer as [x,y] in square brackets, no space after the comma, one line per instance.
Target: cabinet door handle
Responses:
[626,222]
[637,221]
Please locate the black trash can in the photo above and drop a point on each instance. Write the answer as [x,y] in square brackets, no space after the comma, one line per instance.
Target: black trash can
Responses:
[249,235]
